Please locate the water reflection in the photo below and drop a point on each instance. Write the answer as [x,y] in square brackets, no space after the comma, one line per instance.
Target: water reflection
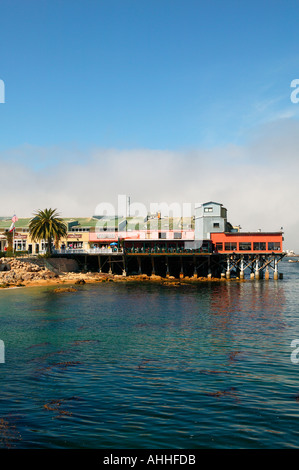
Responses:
[149,366]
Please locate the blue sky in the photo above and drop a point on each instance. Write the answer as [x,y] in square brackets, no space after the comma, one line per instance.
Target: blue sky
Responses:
[159,74]
[163,100]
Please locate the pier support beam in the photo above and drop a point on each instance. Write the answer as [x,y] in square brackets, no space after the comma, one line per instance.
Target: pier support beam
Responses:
[195,268]
[257,265]
[124,273]
[85,263]
[139,265]
[182,268]
[242,268]
[153,265]
[227,275]
[110,266]
[209,268]
[275,277]
[100,263]
[257,272]
[167,267]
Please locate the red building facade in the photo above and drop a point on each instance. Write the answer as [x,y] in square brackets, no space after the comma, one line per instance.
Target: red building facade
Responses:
[247,242]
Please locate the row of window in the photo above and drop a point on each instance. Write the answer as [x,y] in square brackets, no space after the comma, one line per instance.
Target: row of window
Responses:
[176,235]
[247,246]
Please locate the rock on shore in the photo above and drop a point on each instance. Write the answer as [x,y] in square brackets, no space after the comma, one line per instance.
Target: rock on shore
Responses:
[14,271]
[17,272]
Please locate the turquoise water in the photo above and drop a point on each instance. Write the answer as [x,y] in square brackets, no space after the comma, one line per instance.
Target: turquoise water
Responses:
[148,366]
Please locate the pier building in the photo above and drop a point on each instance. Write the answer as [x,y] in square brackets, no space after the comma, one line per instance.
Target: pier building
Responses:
[206,244]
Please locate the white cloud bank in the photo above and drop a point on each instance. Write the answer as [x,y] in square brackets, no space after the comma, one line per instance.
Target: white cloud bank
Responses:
[258,183]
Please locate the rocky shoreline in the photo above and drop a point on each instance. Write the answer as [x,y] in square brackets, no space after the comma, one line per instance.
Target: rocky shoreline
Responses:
[15,272]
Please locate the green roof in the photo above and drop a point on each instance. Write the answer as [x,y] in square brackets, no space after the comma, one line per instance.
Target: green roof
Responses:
[171,223]
[109,222]
[81,222]
[21,223]
[5,223]
[133,223]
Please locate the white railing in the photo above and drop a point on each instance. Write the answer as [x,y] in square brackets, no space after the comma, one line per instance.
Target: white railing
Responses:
[90,251]
[69,251]
[104,250]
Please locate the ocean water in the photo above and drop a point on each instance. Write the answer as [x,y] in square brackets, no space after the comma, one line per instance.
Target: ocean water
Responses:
[146,366]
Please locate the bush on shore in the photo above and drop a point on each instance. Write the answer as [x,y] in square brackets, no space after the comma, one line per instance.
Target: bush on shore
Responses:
[10,254]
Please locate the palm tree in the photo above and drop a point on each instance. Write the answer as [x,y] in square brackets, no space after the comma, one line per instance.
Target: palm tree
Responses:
[47,225]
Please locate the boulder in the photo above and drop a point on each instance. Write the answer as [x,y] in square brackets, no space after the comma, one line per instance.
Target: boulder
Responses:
[28,277]
[65,289]
[154,277]
[5,267]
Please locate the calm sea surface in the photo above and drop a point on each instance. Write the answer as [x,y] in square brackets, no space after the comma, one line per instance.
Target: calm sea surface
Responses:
[148,366]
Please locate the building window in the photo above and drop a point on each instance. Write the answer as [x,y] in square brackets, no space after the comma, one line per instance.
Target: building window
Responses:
[19,245]
[245,246]
[162,235]
[177,235]
[43,245]
[216,225]
[259,246]
[230,246]
[219,246]
[208,209]
[273,246]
